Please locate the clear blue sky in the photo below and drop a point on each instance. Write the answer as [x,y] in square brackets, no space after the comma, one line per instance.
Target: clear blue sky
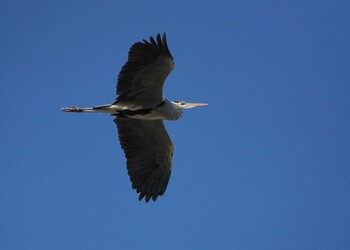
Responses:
[265,166]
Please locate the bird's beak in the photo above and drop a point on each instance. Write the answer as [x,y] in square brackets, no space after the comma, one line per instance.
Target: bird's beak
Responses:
[194,105]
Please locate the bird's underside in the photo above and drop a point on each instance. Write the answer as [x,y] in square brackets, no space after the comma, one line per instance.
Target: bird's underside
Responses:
[139,111]
[147,146]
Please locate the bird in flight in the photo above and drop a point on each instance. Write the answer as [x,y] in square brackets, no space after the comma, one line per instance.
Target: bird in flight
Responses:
[139,111]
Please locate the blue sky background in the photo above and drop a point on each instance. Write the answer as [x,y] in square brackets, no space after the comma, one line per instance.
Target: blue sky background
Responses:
[265,166]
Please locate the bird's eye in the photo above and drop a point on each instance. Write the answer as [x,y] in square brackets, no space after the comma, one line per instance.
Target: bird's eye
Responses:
[182,103]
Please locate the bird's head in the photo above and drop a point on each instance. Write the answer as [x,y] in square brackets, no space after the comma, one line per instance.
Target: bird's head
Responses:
[180,105]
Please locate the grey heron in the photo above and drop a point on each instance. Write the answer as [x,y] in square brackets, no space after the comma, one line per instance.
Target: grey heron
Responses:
[139,111]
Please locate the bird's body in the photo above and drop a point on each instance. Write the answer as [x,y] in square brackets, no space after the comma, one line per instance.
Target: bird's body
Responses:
[166,110]
[140,109]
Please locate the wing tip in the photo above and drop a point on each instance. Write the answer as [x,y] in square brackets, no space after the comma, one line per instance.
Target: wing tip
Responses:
[158,188]
[159,41]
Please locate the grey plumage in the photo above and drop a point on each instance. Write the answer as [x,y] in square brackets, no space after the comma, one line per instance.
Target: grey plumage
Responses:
[139,111]
[148,150]
[141,79]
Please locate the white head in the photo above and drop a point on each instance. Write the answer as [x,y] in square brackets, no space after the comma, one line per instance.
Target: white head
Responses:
[180,105]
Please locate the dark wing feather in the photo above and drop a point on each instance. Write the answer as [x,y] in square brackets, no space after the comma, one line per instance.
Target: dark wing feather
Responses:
[148,150]
[141,79]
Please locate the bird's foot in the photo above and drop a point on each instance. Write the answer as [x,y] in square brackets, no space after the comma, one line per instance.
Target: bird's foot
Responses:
[72,109]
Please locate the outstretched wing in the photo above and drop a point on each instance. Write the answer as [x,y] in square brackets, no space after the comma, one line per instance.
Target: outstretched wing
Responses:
[148,150]
[141,79]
